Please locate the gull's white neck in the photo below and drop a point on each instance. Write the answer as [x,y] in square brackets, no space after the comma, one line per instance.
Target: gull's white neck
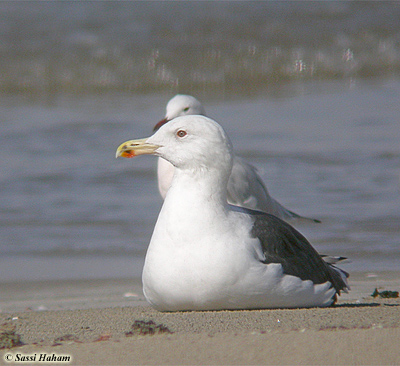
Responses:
[191,188]
[194,203]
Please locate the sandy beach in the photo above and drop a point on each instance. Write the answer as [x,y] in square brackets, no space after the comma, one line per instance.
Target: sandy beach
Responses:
[91,323]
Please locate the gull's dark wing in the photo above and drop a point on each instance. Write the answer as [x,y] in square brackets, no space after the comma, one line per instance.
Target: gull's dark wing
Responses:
[281,243]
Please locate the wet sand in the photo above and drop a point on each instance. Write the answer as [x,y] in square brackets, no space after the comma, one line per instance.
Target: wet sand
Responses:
[89,321]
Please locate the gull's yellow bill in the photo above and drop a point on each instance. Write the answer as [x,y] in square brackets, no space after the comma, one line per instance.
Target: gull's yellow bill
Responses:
[131,148]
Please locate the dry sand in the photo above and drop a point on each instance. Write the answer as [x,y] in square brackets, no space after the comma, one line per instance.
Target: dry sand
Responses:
[361,330]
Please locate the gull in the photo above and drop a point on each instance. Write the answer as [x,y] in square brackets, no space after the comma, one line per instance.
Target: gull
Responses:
[206,254]
[245,186]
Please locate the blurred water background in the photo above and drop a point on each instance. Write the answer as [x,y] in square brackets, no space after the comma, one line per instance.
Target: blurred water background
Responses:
[309,93]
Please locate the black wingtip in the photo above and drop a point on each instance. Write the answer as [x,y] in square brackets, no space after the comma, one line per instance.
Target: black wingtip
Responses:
[299,217]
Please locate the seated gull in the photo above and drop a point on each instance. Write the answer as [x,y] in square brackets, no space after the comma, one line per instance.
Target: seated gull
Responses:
[245,187]
[206,254]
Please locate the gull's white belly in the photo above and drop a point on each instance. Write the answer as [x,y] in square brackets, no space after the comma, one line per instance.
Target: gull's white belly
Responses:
[185,287]
[188,281]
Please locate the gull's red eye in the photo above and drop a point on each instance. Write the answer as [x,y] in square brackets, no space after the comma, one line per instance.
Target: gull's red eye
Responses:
[181,133]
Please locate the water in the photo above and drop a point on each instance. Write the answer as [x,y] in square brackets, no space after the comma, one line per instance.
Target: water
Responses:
[308,92]
[226,47]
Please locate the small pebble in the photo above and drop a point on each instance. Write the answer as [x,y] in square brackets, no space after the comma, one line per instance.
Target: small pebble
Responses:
[130,294]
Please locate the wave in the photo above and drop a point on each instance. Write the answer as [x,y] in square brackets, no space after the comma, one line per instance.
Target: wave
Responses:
[136,47]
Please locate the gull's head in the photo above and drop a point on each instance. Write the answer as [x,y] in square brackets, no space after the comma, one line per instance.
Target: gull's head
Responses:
[181,105]
[188,142]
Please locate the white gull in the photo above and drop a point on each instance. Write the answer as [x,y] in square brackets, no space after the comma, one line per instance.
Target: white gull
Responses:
[205,254]
[245,186]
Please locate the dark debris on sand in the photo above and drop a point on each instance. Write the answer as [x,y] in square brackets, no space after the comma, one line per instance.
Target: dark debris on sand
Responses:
[385,294]
[141,327]
[8,337]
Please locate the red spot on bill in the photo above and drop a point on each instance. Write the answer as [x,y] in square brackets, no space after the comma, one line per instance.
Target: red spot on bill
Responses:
[128,154]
